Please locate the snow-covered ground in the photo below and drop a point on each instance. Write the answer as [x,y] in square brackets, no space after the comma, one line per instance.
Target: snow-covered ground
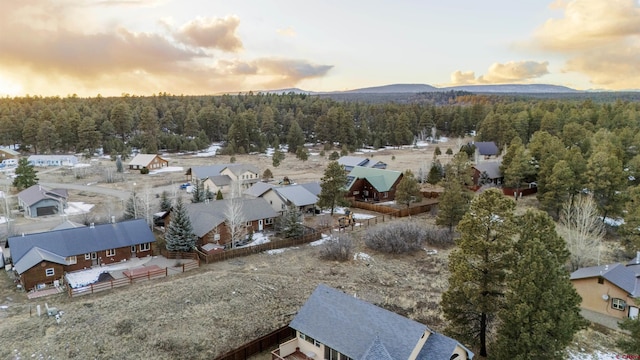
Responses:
[357,216]
[322,240]
[75,208]
[596,355]
[86,277]
[258,238]
[166,169]
[362,256]
[3,220]
[80,165]
[613,222]
[211,151]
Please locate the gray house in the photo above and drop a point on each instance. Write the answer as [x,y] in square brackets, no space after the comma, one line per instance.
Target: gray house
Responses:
[334,325]
[52,160]
[40,201]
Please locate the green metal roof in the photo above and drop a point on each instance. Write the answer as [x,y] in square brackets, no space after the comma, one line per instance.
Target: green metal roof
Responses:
[380,179]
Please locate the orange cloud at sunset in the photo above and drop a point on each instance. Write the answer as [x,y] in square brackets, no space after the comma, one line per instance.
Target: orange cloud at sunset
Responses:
[511,72]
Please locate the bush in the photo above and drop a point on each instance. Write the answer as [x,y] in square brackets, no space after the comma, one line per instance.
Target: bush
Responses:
[144,171]
[337,247]
[404,237]
[334,156]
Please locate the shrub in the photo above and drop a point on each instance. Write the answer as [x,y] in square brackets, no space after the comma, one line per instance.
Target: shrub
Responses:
[404,237]
[144,171]
[334,156]
[337,247]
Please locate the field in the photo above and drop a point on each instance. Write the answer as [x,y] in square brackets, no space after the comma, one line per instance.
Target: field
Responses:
[206,312]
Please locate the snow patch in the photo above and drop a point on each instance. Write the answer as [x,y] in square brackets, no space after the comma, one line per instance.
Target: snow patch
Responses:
[75,208]
[362,256]
[596,355]
[357,216]
[322,240]
[166,169]
[211,150]
[613,222]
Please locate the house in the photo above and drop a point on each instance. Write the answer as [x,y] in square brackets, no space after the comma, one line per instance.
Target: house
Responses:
[610,289]
[6,153]
[302,196]
[487,172]
[371,184]
[209,218]
[52,160]
[149,161]
[486,150]
[43,258]
[38,200]
[334,325]
[349,162]
[220,176]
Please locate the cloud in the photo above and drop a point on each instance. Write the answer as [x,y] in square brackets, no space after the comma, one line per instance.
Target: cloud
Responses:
[601,39]
[50,52]
[288,32]
[213,33]
[511,72]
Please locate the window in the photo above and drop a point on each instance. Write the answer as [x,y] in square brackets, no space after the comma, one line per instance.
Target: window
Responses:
[618,304]
[248,223]
[145,247]
[111,252]
[386,195]
[72,260]
[50,272]
[133,248]
[268,221]
[310,339]
[600,280]
[216,237]
[87,256]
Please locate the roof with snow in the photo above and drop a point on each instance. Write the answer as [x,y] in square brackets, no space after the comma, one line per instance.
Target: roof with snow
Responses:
[80,240]
[9,151]
[361,330]
[349,162]
[380,179]
[487,148]
[35,193]
[617,274]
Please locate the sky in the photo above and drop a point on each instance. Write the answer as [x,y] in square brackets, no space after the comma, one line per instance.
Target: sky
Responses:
[191,47]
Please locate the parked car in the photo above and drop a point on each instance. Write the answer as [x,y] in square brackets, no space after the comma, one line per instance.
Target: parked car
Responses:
[184,186]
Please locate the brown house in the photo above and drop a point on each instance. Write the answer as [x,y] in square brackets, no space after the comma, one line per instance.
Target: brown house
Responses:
[149,161]
[609,289]
[6,153]
[42,258]
[371,184]
[209,219]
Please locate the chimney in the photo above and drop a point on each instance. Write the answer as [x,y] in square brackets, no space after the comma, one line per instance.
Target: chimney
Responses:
[606,267]
[92,226]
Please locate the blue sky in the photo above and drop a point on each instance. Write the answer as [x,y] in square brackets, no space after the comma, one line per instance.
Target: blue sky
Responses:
[61,47]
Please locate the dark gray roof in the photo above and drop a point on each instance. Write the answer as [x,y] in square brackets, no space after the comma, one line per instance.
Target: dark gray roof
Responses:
[487,148]
[492,168]
[220,180]
[351,326]
[258,189]
[206,216]
[298,195]
[350,161]
[35,193]
[203,172]
[238,169]
[35,256]
[377,351]
[83,240]
[617,274]
[438,346]
[313,187]
[68,224]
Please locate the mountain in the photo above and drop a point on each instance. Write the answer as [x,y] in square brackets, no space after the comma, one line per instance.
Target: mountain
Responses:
[394,88]
[513,88]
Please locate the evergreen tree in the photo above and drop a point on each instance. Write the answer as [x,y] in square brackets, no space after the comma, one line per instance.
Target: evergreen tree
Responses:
[543,307]
[26,175]
[558,189]
[479,266]
[198,194]
[302,153]
[179,235]
[122,119]
[516,165]
[219,195]
[332,187]
[290,223]
[278,157]
[267,175]
[606,181]
[165,202]
[630,344]
[437,152]
[453,203]
[133,207]
[408,189]
[119,166]
[435,173]
[630,230]
[295,137]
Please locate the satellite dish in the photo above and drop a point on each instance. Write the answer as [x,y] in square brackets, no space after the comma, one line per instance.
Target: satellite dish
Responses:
[605,297]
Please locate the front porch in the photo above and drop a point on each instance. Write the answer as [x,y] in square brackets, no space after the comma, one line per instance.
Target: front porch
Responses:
[290,350]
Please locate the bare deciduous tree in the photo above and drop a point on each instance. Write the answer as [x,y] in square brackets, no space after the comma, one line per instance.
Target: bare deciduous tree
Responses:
[582,228]
[235,218]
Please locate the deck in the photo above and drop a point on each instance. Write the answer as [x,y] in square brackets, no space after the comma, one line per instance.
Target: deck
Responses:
[294,356]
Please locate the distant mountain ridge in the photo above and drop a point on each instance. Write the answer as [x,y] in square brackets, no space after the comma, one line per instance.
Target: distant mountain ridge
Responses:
[419,88]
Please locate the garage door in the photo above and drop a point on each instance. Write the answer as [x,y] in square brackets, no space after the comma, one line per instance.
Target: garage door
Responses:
[46,210]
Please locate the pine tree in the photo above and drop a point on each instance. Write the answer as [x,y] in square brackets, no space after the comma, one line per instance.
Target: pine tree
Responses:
[543,307]
[630,230]
[133,207]
[278,157]
[289,224]
[435,173]
[198,194]
[332,187]
[267,175]
[408,189]
[119,166]
[630,344]
[179,235]
[606,181]
[479,266]
[26,175]
[516,165]
[295,137]
[219,195]
[453,203]
[165,202]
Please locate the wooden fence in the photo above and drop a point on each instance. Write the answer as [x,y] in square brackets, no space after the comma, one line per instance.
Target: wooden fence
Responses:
[264,343]
[393,212]
[249,250]
[178,255]
[130,279]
